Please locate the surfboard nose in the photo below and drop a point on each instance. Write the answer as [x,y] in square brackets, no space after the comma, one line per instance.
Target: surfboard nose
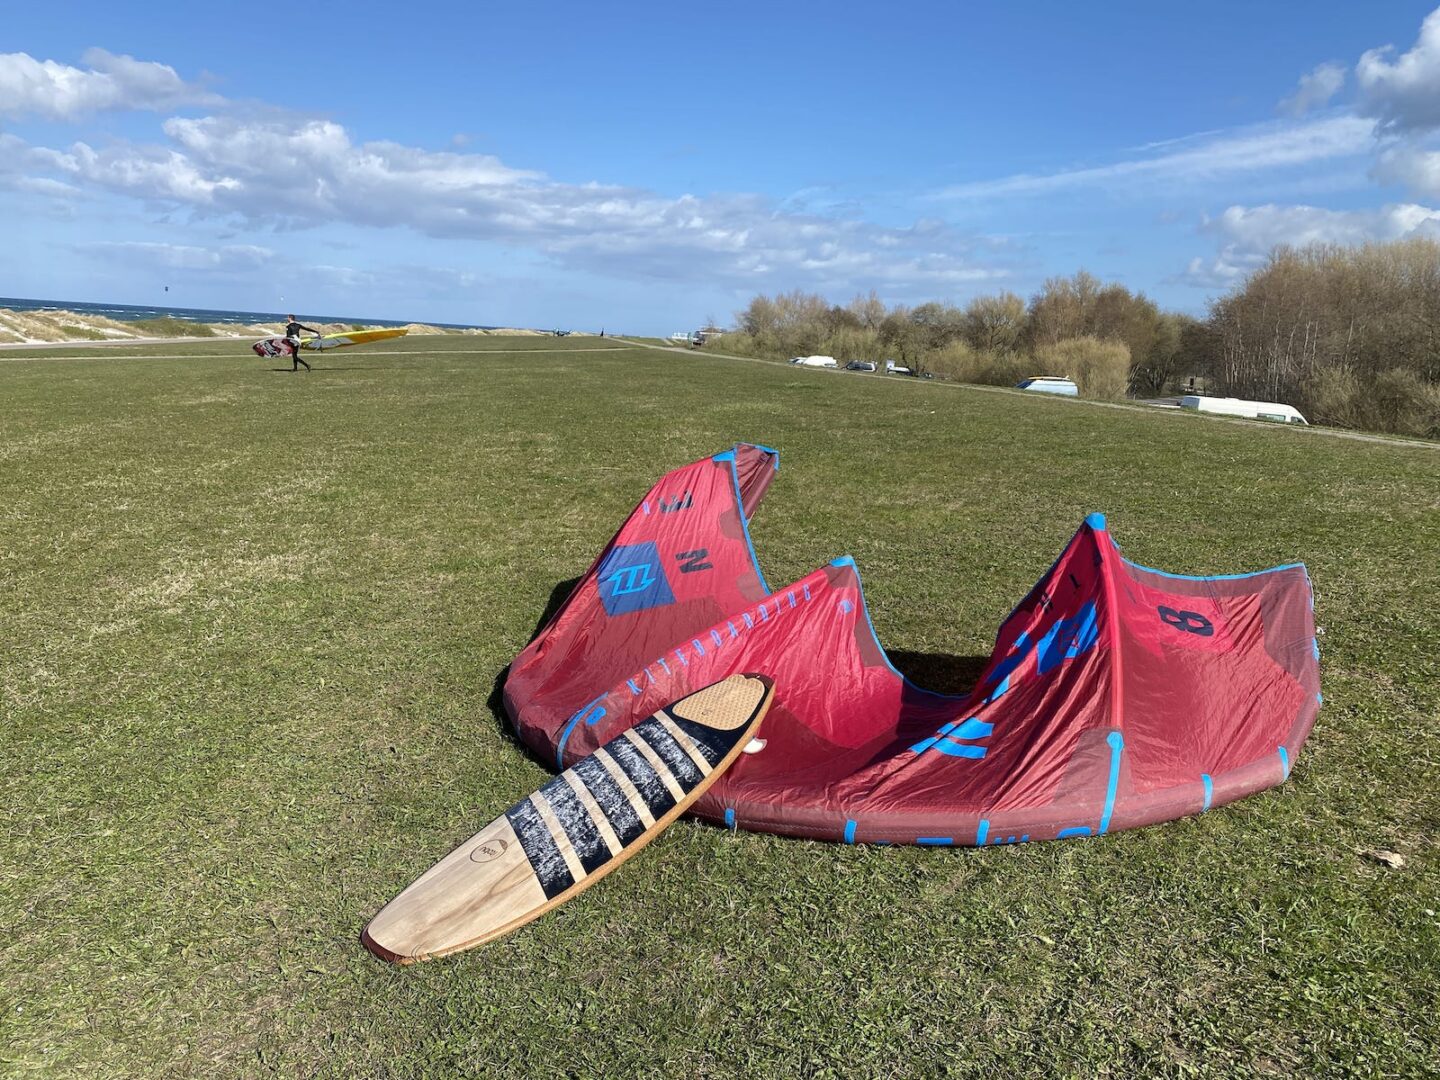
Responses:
[574,830]
[382,952]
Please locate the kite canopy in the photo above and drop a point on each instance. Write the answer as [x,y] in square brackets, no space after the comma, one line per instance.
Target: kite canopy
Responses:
[1116,695]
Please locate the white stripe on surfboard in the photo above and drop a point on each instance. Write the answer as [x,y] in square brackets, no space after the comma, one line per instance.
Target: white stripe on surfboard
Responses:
[597,815]
[557,833]
[657,763]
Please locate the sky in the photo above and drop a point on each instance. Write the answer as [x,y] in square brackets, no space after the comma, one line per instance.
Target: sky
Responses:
[648,167]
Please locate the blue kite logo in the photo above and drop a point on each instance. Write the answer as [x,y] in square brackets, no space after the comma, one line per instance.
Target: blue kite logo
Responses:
[632,579]
[1067,639]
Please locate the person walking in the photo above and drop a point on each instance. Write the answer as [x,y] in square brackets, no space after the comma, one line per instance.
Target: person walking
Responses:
[292,337]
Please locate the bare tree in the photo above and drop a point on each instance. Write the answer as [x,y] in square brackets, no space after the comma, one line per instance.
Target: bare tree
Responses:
[995,323]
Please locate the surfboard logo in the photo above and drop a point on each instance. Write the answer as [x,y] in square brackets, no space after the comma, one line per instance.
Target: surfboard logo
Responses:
[489,851]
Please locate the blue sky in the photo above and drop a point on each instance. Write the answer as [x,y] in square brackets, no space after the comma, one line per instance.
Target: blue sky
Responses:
[644,166]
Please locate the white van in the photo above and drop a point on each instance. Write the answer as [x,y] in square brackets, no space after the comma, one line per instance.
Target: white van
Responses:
[1050,384]
[814,361]
[1250,410]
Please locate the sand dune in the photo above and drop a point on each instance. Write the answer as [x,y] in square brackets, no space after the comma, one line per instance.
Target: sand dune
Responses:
[45,327]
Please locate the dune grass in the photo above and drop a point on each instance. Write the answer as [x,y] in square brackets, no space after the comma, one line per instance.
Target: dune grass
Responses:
[250,640]
[165,326]
[83,333]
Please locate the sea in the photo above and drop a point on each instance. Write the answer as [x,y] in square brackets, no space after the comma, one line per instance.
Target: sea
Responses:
[132,312]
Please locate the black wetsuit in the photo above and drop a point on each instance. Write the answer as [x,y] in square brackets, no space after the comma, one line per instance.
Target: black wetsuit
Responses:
[292,335]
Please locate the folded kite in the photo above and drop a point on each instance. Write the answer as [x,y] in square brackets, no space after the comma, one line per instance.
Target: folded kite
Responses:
[1116,695]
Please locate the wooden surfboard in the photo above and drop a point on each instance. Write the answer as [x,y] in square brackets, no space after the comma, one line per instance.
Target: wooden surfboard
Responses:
[575,829]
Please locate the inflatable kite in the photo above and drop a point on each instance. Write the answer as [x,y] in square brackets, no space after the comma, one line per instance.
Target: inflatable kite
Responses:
[1116,695]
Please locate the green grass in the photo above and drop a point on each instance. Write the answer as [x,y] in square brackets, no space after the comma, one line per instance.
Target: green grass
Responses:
[252,624]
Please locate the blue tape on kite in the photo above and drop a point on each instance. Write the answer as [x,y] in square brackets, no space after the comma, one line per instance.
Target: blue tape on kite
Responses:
[1117,747]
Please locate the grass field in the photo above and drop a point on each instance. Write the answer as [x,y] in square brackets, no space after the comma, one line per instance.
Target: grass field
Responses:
[251,630]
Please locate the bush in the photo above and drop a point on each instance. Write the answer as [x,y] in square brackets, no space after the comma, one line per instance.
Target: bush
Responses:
[742,344]
[957,361]
[1333,397]
[83,333]
[852,343]
[964,363]
[1007,369]
[1101,369]
[1397,400]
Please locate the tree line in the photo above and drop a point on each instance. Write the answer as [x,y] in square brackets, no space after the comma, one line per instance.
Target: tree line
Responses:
[1350,336]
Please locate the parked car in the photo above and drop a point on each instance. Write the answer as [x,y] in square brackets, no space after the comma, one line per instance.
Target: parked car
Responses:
[892,368]
[860,365]
[814,361]
[1251,410]
[1050,384]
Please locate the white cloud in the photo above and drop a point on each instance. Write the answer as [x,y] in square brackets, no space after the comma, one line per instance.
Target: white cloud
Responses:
[146,172]
[1404,94]
[55,91]
[1249,233]
[403,280]
[1315,89]
[14,156]
[22,168]
[1227,269]
[42,185]
[157,256]
[287,269]
[278,173]
[1260,228]
[1249,150]
[1417,169]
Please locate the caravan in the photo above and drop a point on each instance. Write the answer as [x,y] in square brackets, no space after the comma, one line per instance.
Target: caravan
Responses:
[1250,410]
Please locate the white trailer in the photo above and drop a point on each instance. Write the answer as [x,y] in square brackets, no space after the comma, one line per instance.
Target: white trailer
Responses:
[814,361]
[1250,410]
[1050,384]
